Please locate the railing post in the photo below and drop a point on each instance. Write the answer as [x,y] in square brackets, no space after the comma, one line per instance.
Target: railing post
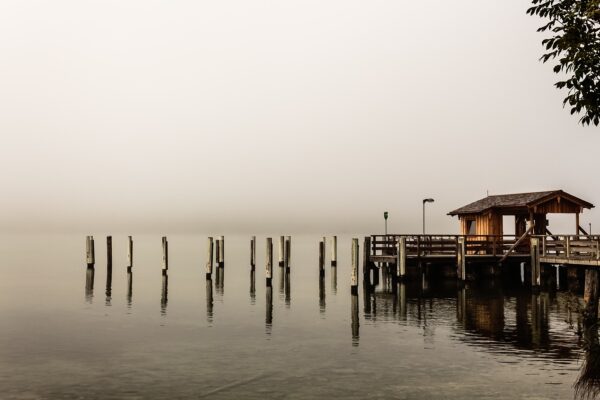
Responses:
[461,260]
[568,246]
[544,246]
[494,245]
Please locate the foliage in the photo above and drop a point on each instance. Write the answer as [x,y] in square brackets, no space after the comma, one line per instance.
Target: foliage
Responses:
[575,45]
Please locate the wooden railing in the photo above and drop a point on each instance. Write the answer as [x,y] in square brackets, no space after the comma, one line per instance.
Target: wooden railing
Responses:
[570,246]
[447,245]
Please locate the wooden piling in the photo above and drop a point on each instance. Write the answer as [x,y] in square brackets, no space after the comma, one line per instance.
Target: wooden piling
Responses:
[281,250]
[366,260]
[321,258]
[90,254]
[401,261]
[288,252]
[590,296]
[355,261]
[217,250]
[536,271]
[129,252]
[109,252]
[165,254]
[324,249]
[221,263]
[253,253]
[269,262]
[334,251]
[461,259]
[209,257]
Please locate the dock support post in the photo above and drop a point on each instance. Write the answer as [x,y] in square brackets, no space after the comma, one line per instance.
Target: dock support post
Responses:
[590,295]
[269,262]
[90,255]
[401,261]
[165,254]
[109,253]
[536,271]
[221,255]
[321,258]
[461,259]
[366,260]
[334,251]
[354,275]
[281,250]
[253,253]
[209,258]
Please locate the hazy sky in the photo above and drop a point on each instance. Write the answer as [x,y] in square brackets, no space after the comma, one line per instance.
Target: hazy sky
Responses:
[255,116]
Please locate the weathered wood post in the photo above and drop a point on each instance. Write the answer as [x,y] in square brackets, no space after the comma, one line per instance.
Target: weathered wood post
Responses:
[536,274]
[129,286]
[567,246]
[165,254]
[321,259]
[217,250]
[253,253]
[209,258]
[590,295]
[288,252]
[324,248]
[90,255]
[366,261]
[334,251]
[355,320]
[269,262]
[164,298]
[354,274]
[401,261]
[281,254]
[461,259]
[221,252]
[108,266]
[129,252]
[209,300]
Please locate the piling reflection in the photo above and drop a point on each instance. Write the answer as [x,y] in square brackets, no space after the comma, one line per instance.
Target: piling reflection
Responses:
[355,319]
[334,280]
[322,303]
[281,282]
[269,309]
[209,300]
[108,291]
[587,385]
[164,297]
[252,287]
[129,287]
[89,283]
[220,281]
[288,290]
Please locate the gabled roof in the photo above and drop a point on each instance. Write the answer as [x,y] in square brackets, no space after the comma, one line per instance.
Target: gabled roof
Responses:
[517,200]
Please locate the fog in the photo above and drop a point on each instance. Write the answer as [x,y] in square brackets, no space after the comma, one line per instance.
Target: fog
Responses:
[288,116]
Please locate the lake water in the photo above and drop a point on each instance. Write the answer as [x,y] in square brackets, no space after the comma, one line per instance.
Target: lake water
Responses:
[310,339]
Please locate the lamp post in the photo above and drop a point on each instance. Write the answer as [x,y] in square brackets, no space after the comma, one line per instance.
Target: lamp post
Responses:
[385,217]
[425,201]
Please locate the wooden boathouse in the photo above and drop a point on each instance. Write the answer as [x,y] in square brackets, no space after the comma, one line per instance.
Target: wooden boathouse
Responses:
[482,241]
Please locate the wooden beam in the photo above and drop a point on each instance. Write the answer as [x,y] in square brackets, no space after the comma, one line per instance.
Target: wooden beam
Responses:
[518,242]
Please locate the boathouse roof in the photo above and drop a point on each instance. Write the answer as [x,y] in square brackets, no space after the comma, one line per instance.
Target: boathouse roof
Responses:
[518,202]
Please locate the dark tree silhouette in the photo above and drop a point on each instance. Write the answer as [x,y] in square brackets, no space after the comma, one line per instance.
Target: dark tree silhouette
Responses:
[574,44]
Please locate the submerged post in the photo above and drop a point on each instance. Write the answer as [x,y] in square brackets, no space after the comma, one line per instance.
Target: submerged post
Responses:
[129,252]
[281,250]
[165,254]
[354,276]
[221,263]
[269,262]
[209,258]
[536,275]
[461,259]
[253,253]
[334,251]
[401,261]
[90,255]
[321,259]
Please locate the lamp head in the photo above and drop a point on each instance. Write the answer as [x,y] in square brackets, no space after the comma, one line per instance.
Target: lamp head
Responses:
[428,200]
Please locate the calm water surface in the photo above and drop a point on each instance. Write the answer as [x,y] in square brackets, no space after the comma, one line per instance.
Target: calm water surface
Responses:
[179,337]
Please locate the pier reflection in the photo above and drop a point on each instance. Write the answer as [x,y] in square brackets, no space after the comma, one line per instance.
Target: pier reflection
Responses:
[269,310]
[129,287]
[355,319]
[220,280]
[108,291]
[288,290]
[334,280]
[164,297]
[89,283]
[209,300]
[322,304]
[252,287]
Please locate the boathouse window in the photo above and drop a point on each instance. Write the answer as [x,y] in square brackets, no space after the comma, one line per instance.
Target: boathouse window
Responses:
[471,227]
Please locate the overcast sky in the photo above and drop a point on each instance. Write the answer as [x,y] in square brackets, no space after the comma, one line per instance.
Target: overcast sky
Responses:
[257,116]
